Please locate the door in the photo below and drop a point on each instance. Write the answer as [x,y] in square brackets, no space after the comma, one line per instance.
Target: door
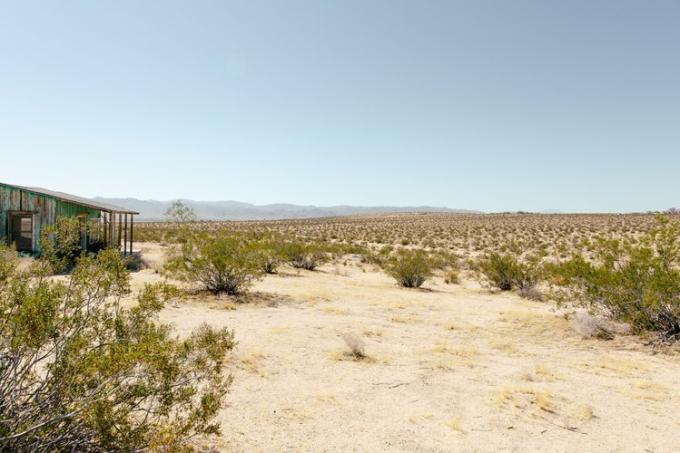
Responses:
[22,231]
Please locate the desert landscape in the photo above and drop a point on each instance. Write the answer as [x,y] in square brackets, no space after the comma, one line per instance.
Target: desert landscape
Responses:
[340,226]
[447,367]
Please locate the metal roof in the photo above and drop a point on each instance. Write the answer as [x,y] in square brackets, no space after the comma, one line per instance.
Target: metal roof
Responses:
[75,199]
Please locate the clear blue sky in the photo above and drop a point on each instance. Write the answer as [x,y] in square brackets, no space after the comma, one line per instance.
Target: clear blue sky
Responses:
[491,105]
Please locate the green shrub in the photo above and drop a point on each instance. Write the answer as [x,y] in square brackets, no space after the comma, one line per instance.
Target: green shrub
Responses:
[498,270]
[222,263]
[379,258]
[80,371]
[60,244]
[638,283]
[505,271]
[304,256]
[270,253]
[411,268]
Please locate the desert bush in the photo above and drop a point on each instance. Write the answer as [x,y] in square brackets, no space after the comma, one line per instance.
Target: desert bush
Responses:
[531,293]
[80,371]
[444,261]
[506,271]
[357,348]
[223,262]
[637,283]
[411,268]
[270,251]
[270,263]
[303,256]
[452,277]
[60,244]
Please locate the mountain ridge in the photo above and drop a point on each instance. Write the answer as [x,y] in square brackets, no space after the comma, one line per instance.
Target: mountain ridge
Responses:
[237,210]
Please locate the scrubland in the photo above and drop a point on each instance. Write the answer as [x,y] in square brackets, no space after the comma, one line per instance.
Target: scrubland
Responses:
[418,332]
[343,358]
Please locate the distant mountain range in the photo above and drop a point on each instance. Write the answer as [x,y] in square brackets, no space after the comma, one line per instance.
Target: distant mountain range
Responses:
[234,210]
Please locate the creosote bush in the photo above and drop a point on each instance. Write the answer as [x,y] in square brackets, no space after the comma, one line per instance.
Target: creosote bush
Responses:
[304,256]
[222,262]
[411,268]
[506,271]
[635,282]
[60,244]
[80,371]
[270,254]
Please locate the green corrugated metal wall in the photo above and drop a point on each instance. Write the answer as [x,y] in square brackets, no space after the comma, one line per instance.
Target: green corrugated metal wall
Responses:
[45,209]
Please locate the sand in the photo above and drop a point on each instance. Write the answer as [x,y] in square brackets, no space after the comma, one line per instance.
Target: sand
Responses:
[449,368]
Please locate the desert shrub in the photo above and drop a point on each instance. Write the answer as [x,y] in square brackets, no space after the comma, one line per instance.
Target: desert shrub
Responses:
[270,263]
[270,252]
[452,277]
[8,263]
[222,262]
[60,244]
[411,268]
[80,371]
[356,346]
[506,271]
[531,293]
[637,283]
[304,256]
[378,258]
[498,270]
[444,261]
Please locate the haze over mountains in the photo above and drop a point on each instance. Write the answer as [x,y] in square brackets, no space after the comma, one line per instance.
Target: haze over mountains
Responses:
[234,210]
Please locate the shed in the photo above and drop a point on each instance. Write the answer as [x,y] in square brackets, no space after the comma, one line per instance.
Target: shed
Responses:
[25,211]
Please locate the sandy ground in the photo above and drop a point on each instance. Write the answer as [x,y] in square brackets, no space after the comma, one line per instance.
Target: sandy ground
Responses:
[449,368]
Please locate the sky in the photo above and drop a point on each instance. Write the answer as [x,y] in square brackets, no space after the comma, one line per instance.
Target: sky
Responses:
[487,105]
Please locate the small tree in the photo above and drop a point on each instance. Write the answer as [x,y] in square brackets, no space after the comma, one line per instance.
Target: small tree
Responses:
[411,268]
[79,371]
[222,263]
[178,212]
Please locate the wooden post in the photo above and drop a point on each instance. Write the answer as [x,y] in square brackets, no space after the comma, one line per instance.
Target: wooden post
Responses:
[112,226]
[125,235]
[105,229]
[132,223]
[120,229]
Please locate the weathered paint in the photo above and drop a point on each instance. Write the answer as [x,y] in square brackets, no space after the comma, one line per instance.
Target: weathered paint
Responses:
[46,209]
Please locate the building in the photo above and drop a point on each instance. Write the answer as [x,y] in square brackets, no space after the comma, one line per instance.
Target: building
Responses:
[25,211]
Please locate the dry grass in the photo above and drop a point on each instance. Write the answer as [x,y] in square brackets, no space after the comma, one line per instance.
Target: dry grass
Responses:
[647,390]
[613,366]
[455,424]
[536,323]
[505,346]
[460,351]
[335,311]
[251,362]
